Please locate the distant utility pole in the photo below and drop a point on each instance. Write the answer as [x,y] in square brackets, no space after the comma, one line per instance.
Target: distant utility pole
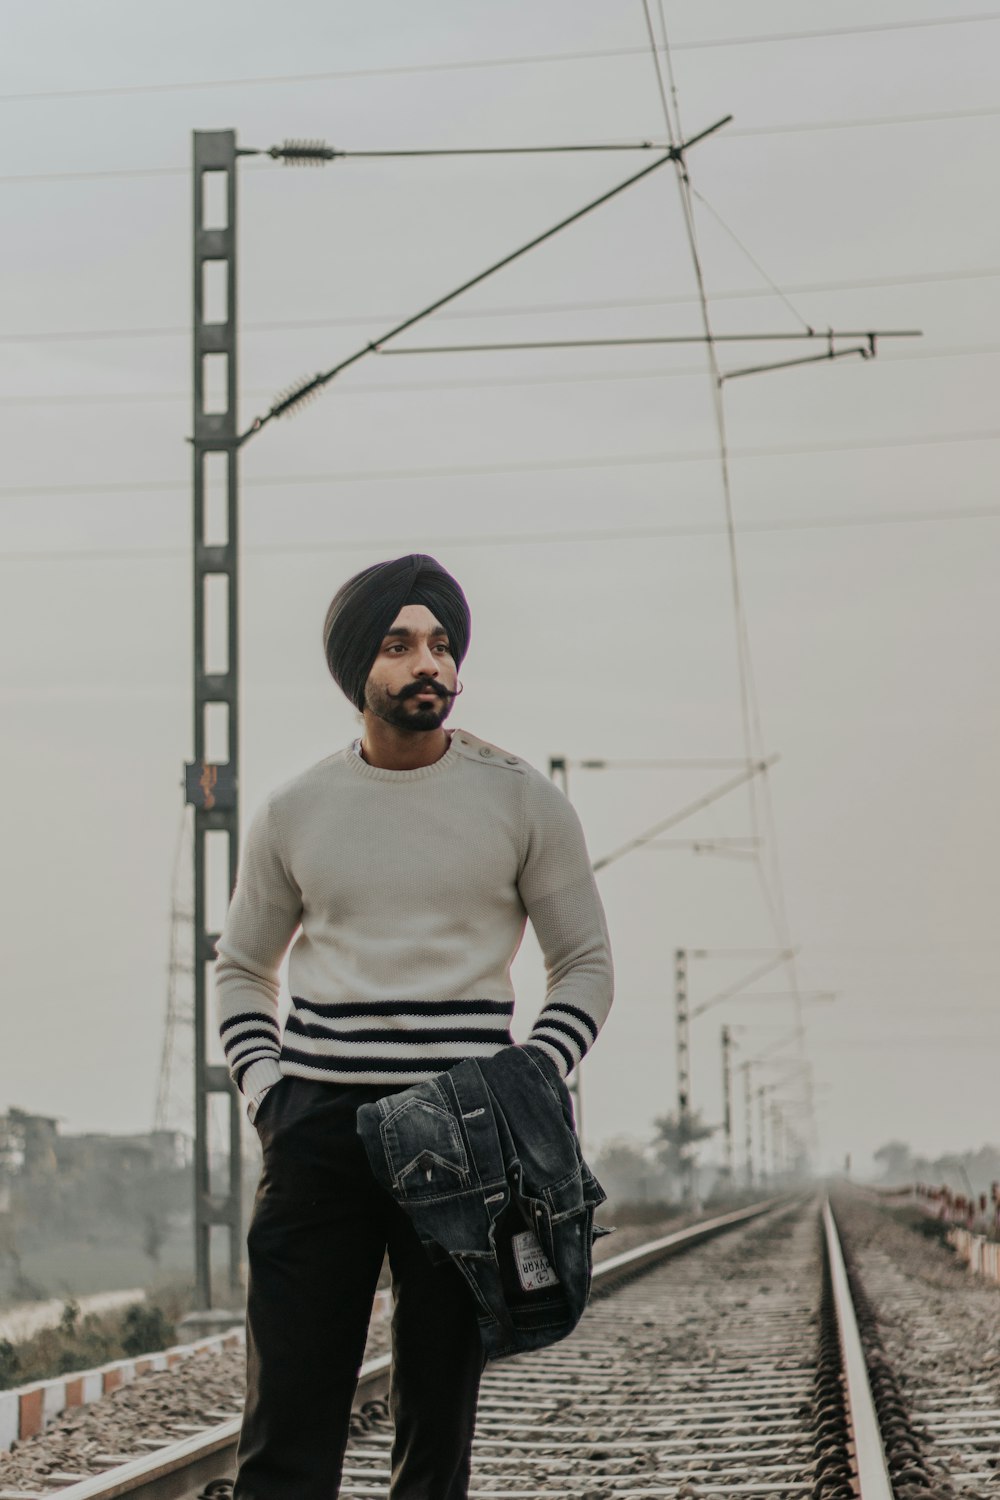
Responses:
[777,1142]
[682,1025]
[727,1100]
[762,1132]
[212,779]
[747,1123]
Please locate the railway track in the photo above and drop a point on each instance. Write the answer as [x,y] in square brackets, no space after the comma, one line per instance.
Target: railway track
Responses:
[931,1333]
[733,1369]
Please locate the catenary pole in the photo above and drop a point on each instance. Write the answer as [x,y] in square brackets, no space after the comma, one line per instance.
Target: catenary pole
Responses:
[762,1132]
[212,779]
[683,1036]
[727,1099]
[747,1123]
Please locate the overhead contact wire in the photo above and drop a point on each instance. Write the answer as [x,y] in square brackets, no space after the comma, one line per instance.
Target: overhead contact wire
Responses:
[739,294]
[749,709]
[750,718]
[673,125]
[527,538]
[698,44]
[749,699]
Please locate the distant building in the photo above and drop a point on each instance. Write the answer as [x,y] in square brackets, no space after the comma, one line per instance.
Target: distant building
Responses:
[32,1148]
[27,1145]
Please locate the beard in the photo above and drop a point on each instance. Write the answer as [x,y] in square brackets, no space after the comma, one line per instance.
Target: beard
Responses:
[403,712]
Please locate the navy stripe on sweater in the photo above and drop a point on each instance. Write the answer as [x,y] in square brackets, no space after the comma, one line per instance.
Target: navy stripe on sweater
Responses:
[378,1036]
[561,1007]
[425,1065]
[255,1016]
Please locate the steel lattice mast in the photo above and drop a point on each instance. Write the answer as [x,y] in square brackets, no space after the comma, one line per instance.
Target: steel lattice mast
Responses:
[212,780]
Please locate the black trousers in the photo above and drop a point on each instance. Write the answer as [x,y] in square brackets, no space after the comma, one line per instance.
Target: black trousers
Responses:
[320,1228]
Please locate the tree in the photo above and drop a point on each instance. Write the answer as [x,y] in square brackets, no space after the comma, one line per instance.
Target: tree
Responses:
[629,1174]
[896,1161]
[674,1143]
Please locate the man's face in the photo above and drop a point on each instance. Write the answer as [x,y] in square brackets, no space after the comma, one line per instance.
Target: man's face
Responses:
[412,682]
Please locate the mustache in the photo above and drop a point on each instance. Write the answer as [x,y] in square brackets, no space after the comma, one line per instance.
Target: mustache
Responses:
[413,688]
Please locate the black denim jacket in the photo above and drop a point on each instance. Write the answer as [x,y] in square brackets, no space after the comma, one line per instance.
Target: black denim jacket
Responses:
[485,1161]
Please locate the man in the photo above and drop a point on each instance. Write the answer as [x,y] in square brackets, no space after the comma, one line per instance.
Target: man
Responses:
[410,860]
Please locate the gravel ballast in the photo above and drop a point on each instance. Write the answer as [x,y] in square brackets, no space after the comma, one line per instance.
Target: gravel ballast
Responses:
[938,1328]
[169,1405]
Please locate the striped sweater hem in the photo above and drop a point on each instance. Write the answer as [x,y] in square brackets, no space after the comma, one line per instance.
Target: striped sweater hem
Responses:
[391,1041]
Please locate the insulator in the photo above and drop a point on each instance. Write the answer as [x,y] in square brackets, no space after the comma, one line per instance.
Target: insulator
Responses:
[302,153]
[295,397]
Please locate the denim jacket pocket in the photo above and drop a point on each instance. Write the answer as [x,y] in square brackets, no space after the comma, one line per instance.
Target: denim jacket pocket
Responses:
[424,1150]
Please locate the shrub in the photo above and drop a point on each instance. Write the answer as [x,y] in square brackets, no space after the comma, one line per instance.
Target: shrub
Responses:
[145,1329]
[70,1317]
[77,1343]
[9,1364]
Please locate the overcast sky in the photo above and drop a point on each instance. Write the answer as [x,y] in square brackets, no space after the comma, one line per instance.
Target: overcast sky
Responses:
[859,170]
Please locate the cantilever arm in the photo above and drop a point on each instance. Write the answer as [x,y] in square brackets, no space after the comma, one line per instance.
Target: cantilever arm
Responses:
[310,387]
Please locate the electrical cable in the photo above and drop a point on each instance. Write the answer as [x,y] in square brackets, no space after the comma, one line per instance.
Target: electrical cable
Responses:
[774,894]
[868,122]
[410,387]
[316,152]
[772,890]
[525,466]
[333,75]
[740,985]
[655,338]
[752,259]
[694,531]
[752,770]
[864,351]
[739,294]
[269,79]
[674,131]
[832,31]
[100,174]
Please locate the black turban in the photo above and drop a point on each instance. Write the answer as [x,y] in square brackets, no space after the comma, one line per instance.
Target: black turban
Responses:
[363,609]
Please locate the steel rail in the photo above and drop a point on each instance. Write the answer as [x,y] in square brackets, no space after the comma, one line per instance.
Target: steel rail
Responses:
[612,1272]
[176,1470]
[869,1455]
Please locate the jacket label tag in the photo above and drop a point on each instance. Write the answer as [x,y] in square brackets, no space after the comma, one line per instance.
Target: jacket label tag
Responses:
[534,1270]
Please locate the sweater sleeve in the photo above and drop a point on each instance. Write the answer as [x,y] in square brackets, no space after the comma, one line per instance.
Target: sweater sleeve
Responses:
[264,913]
[557,887]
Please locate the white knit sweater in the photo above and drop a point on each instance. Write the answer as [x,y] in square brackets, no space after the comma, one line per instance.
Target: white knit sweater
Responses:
[411,889]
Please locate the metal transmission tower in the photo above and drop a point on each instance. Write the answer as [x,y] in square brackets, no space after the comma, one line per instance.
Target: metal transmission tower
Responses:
[211,784]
